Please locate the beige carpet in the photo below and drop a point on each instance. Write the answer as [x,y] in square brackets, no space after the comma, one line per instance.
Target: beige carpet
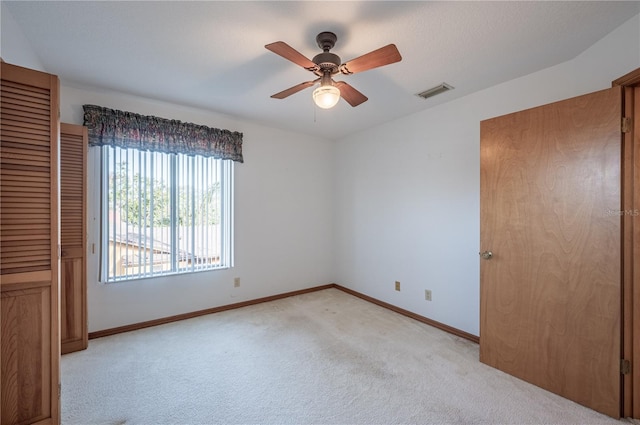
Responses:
[319,358]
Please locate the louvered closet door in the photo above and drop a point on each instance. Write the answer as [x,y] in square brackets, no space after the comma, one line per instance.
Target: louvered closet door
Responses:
[73,286]
[30,344]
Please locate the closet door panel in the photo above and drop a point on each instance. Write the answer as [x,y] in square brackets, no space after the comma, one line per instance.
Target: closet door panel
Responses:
[73,286]
[26,348]
[29,245]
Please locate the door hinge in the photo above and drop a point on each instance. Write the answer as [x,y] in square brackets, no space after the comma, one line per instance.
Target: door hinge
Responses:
[626,124]
[625,367]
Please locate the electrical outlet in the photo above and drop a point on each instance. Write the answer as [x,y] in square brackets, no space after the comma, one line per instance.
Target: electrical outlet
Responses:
[236,282]
[427,294]
[397,285]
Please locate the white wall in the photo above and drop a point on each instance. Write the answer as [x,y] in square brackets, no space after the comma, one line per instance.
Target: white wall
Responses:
[283,227]
[407,192]
[14,47]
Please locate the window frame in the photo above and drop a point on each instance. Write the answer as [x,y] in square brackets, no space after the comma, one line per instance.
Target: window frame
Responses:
[226,251]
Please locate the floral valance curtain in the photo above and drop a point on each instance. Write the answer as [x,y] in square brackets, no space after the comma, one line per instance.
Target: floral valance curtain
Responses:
[128,130]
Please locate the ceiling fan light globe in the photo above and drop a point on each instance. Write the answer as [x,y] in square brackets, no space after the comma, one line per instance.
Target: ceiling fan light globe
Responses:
[326,97]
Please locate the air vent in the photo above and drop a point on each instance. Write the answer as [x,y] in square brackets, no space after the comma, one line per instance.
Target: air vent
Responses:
[441,88]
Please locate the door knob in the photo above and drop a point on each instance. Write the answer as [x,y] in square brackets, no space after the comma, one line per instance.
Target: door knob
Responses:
[486,255]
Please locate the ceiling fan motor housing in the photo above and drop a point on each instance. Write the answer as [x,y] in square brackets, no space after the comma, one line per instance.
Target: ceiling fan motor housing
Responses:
[327,61]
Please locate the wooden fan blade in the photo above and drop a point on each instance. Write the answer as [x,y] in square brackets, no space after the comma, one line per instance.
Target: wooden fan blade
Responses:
[283,49]
[351,95]
[380,57]
[295,89]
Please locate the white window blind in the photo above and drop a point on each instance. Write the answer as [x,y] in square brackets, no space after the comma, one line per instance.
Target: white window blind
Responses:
[164,213]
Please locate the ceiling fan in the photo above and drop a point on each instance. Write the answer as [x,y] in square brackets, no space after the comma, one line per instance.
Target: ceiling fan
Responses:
[325,65]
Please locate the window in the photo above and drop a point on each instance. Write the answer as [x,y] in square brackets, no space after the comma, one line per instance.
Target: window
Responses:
[164,213]
[166,193]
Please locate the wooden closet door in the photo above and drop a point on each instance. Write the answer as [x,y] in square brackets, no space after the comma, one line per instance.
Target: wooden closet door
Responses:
[29,238]
[73,233]
[550,213]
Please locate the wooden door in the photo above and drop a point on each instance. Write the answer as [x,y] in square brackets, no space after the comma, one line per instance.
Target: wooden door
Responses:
[30,339]
[73,233]
[550,214]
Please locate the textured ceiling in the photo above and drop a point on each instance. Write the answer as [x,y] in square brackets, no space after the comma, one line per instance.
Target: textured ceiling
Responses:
[210,54]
